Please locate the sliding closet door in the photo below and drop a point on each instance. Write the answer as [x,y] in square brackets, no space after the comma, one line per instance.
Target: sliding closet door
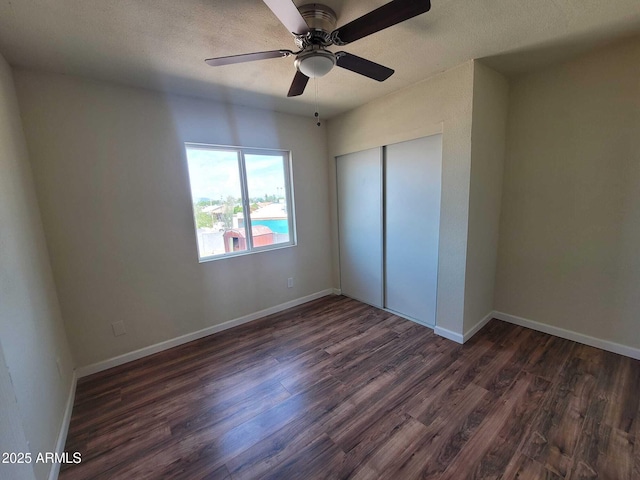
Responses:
[413,183]
[359,178]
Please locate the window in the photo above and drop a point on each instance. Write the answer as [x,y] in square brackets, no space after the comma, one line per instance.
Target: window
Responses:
[242,199]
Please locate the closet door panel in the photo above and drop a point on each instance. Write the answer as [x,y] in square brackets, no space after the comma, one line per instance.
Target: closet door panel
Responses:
[359,184]
[413,184]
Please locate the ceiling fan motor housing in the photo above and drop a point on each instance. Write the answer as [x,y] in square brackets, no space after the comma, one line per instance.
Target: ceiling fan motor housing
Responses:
[315,61]
[321,20]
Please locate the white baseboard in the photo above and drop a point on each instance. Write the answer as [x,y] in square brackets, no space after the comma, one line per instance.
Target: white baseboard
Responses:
[443,332]
[475,329]
[337,291]
[64,427]
[569,335]
[174,342]
[456,337]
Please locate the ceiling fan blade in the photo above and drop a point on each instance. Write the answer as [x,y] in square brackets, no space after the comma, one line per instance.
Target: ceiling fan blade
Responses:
[288,14]
[247,57]
[383,17]
[298,85]
[363,66]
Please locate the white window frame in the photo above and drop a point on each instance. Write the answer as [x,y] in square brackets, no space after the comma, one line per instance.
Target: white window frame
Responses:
[246,203]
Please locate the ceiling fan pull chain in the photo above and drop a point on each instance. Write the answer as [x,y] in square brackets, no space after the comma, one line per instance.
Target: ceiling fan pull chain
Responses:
[317,115]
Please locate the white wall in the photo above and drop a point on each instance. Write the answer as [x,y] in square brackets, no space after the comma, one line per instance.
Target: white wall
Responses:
[112,180]
[570,227]
[441,104]
[12,437]
[490,101]
[31,330]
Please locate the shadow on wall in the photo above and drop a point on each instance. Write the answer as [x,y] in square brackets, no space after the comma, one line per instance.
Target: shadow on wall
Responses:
[553,53]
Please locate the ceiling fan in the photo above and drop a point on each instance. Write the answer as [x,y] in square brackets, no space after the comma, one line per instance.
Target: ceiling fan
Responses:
[313,27]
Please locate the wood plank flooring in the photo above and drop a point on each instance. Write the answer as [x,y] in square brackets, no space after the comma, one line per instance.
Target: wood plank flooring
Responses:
[338,389]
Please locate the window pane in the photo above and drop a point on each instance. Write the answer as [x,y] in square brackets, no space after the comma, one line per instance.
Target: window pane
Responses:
[266,180]
[217,200]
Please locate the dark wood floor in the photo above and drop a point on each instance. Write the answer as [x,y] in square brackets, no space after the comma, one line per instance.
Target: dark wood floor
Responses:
[338,389]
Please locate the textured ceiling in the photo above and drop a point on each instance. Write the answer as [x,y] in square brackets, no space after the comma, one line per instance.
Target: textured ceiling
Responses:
[161,44]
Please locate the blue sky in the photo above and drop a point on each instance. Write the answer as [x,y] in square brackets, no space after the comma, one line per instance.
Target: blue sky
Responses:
[214,174]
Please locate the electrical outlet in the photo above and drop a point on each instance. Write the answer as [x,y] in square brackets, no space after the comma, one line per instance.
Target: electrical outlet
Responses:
[290,282]
[118,328]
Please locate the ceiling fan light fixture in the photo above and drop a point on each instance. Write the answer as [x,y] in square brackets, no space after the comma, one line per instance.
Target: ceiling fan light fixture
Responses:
[315,64]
